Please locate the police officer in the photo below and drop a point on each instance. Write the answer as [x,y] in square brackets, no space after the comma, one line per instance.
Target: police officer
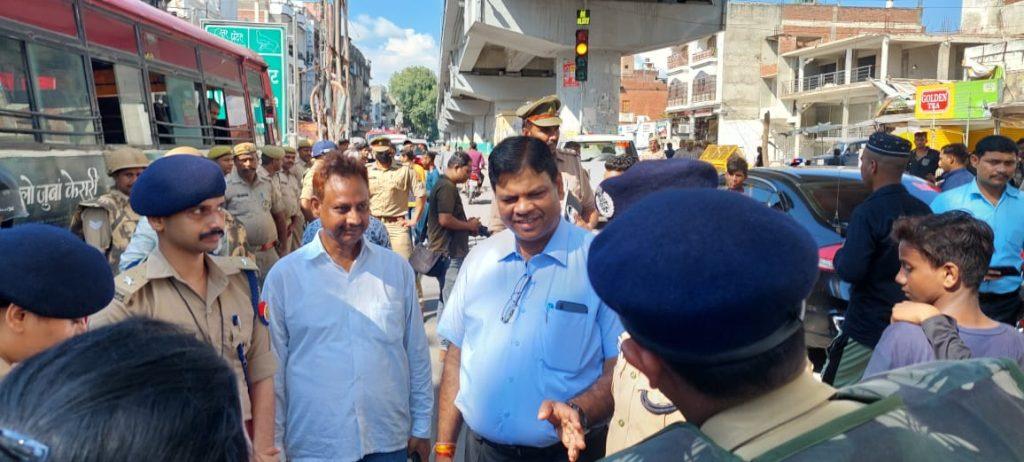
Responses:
[290,187]
[108,222]
[305,158]
[869,259]
[726,345]
[11,204]
[641,410]
[254,201]
[50,281]
[271,165]
[214,297]
[391,186]
[541,121]
[222,155]
[740,309]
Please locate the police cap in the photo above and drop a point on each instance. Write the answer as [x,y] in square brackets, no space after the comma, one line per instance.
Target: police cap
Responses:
[542,112]
[273,152]
[290,150]
[243,148]
[218,151]
[722,292]
[323,146]
[52,273]
[380,144]
[183,150]
[616,194]
[173,184]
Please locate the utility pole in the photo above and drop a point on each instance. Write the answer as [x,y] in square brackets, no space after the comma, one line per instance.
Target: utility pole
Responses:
[346,72]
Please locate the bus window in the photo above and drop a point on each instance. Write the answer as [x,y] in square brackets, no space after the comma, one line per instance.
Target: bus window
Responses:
[176,109]
[259,112]
[122,110]
[62,95]
[134,115]
[216,118]
[14,96]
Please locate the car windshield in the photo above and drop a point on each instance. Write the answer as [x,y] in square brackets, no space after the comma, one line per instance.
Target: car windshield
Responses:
[833,197]
[603,150]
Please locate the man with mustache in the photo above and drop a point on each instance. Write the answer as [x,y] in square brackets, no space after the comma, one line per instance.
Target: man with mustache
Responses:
[990,200]
[214,297]
[354,382]
[256,202]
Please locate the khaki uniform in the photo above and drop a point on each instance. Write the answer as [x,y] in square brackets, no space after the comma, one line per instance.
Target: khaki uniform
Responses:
[226,319]
[640,411]
[254,206]
[299,169]
[4,369]
[648,155]
[389,201]
[107,224]
[290,188]
[306,191]
[235,239]
[758,425]
[576,182]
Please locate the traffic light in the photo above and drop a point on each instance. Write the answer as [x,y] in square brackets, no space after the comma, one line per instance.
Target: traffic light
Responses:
[582,49]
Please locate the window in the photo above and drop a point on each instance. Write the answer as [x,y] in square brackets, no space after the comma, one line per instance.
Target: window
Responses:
[14,95]
[604,150]
[226,119]
[261,119]
[176,109]
[62,95]
[53,15]
[168,50]
[102,29]
[122,107]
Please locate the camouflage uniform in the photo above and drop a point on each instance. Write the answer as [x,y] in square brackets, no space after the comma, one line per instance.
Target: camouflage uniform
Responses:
[107,224]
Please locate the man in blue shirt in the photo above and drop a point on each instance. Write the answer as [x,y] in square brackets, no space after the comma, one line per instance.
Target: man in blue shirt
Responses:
[953,162]
[990,200]
[869,259]
[532,345]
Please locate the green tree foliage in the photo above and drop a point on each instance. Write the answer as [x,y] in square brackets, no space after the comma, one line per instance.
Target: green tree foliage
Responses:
[415,91]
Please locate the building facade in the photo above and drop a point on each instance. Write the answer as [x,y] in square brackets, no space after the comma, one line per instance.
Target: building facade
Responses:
[359,91]
[382,108]
[643,93]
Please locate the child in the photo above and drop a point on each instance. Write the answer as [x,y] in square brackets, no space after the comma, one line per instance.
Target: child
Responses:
[943,259]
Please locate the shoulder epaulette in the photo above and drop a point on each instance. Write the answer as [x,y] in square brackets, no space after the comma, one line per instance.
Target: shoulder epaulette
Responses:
[129,282]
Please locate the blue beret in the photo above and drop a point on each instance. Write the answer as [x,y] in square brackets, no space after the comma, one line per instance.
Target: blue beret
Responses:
[173,184]
[52,273]
[323,146]
[888,145]
[619,193]
[702,276]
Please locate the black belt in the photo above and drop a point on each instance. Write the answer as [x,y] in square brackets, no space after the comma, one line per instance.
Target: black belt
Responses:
[525,452]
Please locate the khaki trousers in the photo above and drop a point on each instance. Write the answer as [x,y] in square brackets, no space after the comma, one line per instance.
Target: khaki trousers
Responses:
[401,240]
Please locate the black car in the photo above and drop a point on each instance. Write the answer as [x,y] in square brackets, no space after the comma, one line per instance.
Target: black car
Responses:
[822,200]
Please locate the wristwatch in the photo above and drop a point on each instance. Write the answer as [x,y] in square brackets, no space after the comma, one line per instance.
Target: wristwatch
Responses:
[583,415]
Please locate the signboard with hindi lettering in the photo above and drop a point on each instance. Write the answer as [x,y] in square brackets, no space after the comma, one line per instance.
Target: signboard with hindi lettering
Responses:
[270,42]
[956,100]
[51,186]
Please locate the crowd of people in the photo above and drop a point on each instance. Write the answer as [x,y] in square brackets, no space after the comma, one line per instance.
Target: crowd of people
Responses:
[264,303]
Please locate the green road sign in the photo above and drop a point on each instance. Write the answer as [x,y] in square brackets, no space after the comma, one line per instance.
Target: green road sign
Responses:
[268,40]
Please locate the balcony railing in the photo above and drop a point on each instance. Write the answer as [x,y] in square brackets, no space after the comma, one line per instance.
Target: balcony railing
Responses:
[678,60]
[704,55]
[703,96]
[829,79]
[678,100]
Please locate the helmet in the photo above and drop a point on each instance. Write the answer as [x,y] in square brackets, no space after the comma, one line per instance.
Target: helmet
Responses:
[125,157]
[11,205]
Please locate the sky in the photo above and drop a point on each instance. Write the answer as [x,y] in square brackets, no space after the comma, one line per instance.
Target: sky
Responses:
[939,16]
[395,34]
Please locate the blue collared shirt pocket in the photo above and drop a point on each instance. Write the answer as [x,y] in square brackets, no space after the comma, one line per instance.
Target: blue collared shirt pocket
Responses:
[566,336]
[388,319]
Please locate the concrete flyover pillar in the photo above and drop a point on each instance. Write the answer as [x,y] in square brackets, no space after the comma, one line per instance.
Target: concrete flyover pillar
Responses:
[594,103]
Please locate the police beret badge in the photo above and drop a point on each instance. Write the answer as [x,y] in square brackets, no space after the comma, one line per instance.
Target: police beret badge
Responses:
[605,204]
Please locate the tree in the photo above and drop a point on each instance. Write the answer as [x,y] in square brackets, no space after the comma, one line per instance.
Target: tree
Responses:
[415,91]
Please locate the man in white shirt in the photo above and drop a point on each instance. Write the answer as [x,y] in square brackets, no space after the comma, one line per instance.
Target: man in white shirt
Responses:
[354,380]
